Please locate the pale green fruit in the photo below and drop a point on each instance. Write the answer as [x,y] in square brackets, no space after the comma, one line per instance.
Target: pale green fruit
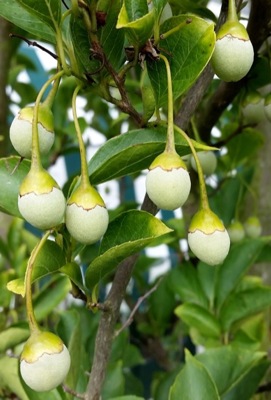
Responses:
[41,201]
[253,108]
[267,107]
[86,215]
[236,231]
[45,361]
[207,161]
[253,227]
[168,182]
[207,238]
[233,54]
[21,131]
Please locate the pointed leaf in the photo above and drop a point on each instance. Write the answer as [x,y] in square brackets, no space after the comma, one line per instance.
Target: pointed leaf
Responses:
[48,11]
[10,181]
[136,21]
[14,12]
[199,318]
[228,365]
[244,304]
[240,258]
[193,382]
[190,49]
[50,259]
[132,152]
[73,271]
[126,235]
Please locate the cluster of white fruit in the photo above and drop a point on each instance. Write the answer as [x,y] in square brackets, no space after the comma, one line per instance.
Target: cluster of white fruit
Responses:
[251,228]
[41,201]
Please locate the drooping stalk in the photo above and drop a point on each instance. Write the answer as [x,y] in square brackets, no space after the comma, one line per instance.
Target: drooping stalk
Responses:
[204,203]
[33,325]
[84,165]
[232,14]
[36,159]
[170,143]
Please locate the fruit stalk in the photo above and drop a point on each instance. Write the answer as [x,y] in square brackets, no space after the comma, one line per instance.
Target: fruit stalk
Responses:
[36,159]
[33,325]
[232,14]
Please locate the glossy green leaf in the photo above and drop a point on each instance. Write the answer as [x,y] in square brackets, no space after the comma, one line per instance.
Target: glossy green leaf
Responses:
[199,318]
[132,152]
[112,39]
[48,11]
[244,304]
[240,258]
[14,12]
[114,381]
[137,23]
[10,181]
[185,283]
[50,259]
[228,365]
[159,5]
[189,49]
[8,369]
[126,235]
[12,336]
[73,271]
[193,382]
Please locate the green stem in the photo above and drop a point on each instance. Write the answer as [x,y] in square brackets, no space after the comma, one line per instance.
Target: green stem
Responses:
[61,52]
[204,203]
[232,14]
[195,130]
[84,165]
[33,325]
[170,144]
[36,159]
[176,29]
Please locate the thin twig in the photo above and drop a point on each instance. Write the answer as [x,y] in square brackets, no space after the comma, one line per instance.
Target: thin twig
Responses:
[73,392]
[136,307]
[64,4]
[34,44]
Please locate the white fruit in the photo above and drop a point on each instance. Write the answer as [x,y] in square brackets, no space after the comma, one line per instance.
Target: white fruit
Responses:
[45,362]
[168,182]
[253,228]
[207,238]
[40,200]
[207,161]
[21,131]
[86,215]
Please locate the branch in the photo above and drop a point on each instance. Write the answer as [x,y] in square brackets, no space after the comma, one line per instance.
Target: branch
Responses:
[106,329]
[136,307]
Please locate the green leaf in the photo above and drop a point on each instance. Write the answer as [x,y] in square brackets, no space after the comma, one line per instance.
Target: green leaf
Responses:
[132,152]
[243,147]
[127,398]
[126,235]
[136,21]
[48,11]
[114,381]
[9,377]
[12,336]
[244,304]
[14,12]
[159,6]
[185,283]
[199,318]
[240,258]
[10,181]
[112,39]
[193,382]
[50,259]
[73,271]
[228,365]
[190,49]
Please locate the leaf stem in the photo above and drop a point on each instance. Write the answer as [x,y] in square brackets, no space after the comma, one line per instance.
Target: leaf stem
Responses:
[170,143]
[84,166]
[204,203]
[36,159]
[33,325]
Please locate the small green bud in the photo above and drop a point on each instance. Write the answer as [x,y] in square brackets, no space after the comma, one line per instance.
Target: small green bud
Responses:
[207,237]
[40,201]
[86,215]
[168,182]
[21,130]
[45,361]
